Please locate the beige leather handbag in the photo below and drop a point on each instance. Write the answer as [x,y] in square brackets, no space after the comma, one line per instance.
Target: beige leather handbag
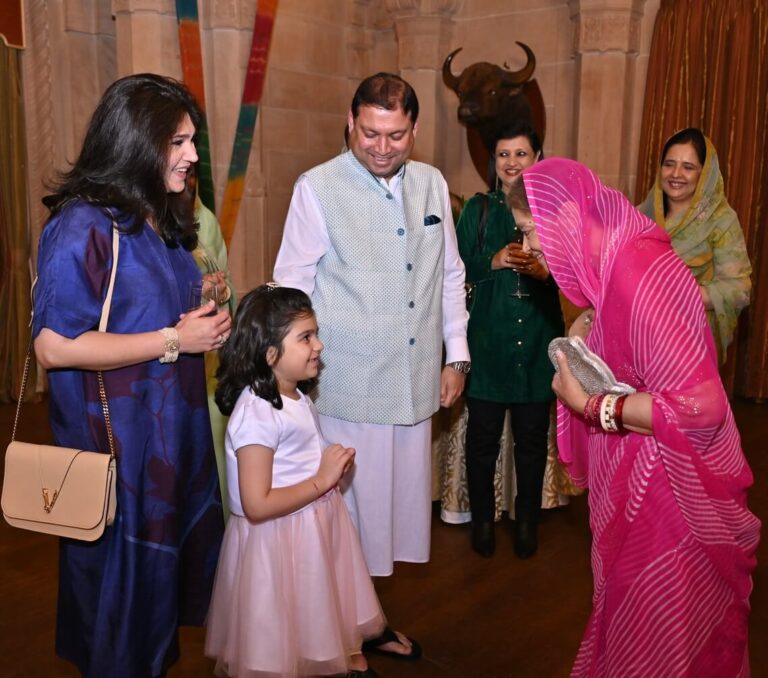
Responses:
[59,490]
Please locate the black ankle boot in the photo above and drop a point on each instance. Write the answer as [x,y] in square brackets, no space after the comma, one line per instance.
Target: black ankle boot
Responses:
[526,538]
[484,538]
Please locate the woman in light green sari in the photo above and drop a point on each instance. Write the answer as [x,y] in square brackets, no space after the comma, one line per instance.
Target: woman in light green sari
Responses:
[689,202]
[211,257]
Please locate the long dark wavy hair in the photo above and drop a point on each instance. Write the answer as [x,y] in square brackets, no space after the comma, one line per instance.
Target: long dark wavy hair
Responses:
[263,318]
[124,157]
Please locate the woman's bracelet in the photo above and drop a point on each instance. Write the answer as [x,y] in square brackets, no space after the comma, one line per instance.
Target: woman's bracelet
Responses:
[607,409]
[172,346]
[611,409]
[619,411]
[592,409]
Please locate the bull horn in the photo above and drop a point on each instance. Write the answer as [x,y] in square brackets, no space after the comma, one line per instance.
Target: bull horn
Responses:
[518,77]
[449,78]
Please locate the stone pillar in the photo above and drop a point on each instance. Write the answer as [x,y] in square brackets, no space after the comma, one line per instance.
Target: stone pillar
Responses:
[606,45]
[147,37]
[424,28]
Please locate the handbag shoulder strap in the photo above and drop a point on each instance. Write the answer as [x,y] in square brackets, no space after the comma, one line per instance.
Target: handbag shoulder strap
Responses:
[112,275]
[102,328]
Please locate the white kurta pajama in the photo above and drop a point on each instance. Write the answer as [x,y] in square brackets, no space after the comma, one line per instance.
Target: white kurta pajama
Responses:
[370,406]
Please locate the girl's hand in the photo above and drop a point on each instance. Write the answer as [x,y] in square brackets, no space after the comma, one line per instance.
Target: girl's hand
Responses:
[200,332]
[526,263]
[582,326]
[566,387]
[334,463]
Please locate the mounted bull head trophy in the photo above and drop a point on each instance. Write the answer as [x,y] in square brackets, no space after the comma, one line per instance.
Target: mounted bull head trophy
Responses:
[491,97]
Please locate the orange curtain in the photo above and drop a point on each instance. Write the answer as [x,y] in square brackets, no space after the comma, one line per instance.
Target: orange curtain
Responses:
[708,69]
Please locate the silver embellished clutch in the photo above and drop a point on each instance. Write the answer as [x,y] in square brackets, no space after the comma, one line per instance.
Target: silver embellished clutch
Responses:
[593,374]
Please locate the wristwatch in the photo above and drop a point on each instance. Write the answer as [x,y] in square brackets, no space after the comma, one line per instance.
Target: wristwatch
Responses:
[462,366]
[171,345]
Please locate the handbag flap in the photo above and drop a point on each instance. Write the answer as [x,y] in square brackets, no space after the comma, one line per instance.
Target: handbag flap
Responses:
[73,484]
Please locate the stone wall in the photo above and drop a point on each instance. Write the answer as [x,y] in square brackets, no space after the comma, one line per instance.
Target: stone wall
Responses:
[591,60]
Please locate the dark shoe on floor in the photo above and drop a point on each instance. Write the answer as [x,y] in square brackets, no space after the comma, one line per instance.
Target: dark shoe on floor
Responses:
[484,538]
[526,539]
[374,645]
[357,673]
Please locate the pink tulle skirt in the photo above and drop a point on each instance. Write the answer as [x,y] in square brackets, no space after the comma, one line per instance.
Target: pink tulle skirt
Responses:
[292,596]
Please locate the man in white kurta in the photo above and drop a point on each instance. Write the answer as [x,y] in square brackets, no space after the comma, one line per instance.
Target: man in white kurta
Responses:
[370,237]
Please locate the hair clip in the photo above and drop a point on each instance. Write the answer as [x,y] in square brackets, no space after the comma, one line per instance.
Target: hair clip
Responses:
[272,286]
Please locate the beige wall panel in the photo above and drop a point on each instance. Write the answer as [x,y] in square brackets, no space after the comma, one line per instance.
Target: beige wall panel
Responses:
[326,133]
[383,55]
[561,133]
[334,12]
[284,129]
[285,167]
[485,8]
[307,92]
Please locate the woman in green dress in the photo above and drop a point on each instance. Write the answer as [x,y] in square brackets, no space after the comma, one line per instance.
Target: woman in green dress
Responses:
[688,201]
[514,313]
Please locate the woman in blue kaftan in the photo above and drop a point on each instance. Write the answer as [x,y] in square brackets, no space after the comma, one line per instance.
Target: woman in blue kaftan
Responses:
[123,597]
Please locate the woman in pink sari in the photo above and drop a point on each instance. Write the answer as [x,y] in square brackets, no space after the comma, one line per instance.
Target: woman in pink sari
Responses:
[673,541]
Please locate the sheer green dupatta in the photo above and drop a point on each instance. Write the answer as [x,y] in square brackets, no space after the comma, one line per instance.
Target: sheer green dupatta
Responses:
[708,237]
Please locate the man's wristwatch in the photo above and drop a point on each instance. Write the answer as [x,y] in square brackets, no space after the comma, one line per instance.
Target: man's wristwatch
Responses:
[462,366]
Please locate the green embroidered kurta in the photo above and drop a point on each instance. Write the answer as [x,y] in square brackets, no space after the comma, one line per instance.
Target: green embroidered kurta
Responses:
[508,336]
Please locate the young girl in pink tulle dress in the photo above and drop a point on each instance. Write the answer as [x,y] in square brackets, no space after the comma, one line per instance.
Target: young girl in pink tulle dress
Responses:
[292,595]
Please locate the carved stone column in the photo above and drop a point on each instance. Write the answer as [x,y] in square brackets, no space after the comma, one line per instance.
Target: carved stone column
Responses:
[424,29]
[606,44]
[147,37]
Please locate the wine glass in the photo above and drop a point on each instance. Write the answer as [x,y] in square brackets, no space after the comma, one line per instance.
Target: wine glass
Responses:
[518,293]
[201,292]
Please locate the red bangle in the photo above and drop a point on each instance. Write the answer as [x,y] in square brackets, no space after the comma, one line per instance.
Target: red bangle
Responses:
[619,409]
[592,409]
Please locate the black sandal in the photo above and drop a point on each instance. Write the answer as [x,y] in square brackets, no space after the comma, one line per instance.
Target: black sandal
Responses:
[357,673]
[388,636]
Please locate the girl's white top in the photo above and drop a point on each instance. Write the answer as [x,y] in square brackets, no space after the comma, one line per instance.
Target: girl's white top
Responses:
[292,432]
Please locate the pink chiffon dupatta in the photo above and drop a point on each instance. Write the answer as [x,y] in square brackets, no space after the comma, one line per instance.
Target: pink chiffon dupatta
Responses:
[673,541]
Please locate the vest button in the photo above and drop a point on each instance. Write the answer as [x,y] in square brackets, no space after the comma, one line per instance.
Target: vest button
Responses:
[389,196]
[400,231]
[411,304]
[409,267]
[411,341]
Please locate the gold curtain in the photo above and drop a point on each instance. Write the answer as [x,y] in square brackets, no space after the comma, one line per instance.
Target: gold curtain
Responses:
[14,233]
[708,69]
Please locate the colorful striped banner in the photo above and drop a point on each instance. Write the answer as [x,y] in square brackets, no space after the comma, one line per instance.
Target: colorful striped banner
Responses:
[249,108]
[192,70]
